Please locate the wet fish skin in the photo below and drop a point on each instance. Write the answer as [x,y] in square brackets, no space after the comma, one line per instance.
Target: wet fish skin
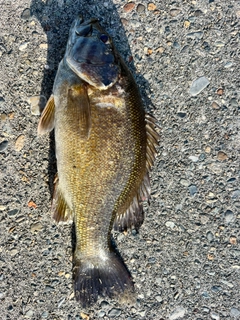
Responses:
[105,146]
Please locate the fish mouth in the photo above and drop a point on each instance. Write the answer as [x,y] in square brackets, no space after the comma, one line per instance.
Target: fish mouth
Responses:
[90,53]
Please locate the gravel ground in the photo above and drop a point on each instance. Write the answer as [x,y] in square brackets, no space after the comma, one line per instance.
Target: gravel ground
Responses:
[185,260]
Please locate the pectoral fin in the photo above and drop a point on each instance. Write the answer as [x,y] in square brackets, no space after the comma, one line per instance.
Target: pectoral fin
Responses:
[46,122]
[78,102]
[60,210]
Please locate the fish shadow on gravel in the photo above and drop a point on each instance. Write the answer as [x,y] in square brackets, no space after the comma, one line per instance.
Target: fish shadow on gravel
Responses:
[56,17]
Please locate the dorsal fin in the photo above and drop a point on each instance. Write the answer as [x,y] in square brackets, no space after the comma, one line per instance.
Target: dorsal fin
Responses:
[133,217]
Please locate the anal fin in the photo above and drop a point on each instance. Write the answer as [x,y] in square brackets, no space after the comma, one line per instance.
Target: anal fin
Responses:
[46,122]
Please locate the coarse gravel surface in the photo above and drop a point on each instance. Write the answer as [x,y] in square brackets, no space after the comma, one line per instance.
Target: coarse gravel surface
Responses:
[185,260]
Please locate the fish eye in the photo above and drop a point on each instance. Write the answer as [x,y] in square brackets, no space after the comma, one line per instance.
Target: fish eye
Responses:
[104,38]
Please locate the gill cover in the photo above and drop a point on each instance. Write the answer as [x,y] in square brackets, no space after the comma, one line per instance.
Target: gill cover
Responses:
[90,54]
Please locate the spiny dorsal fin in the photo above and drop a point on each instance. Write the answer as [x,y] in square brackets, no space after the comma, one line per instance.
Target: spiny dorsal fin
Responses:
[133,217]
[46,122]
[78,101]
[60,210]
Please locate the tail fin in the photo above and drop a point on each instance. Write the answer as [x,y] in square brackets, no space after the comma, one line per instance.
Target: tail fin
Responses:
[101,276]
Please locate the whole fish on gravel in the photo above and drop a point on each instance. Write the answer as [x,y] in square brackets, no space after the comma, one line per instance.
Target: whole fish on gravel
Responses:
[105,146]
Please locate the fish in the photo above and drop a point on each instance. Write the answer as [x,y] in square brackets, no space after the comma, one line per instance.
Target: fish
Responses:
[105,146]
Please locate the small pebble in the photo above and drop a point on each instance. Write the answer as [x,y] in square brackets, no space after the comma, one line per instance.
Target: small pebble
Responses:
[158,298]
[43,46]
[101,313]
[114,313]
[13,252]
[181,114]
[178,313]
[12,212]
[219,44]
[222,156]
[170,224]
[195,35]
[215,105]
[210,236]
[184,182]
[37,104]
[174,12]
[228,64]
[26,14]
[234,312]
[193,158]
[140,8]
[233,102]
[3,145]
[192,189]
[151,6]
[29,314]
[198,85]
[129,7]
[23,46]
[220,91]
[236,194]
[214,315]
[44,315]
[36,227]
[228,216]
[19,143]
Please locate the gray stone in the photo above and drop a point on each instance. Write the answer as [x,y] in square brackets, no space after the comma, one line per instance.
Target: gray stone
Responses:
[178,313]
[234,312]
[114,313]
[3,145]
[192,189]
[228,216]
[198,85]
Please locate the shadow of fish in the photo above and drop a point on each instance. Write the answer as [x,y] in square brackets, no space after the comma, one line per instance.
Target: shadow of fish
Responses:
[105,146]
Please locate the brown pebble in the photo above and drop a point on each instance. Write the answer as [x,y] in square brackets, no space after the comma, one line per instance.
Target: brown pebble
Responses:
[207,149]
[215,105]
[233,240]
[220,91]
[19,142]
[140,8]
[222,156]
[11,115]
[149,51]
[3,116]
[129,7]
[210,256]
[84,316]
[151,6]
[124,21]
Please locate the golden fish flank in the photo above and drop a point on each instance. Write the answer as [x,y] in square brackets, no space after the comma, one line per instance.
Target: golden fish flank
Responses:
[105,146]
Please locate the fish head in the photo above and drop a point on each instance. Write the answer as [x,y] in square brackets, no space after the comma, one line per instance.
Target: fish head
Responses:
[91,55]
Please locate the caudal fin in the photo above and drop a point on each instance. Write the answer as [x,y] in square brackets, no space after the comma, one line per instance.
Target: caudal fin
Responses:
[101,276]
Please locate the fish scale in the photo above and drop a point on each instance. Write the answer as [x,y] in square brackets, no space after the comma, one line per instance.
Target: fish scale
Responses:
[105,146]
